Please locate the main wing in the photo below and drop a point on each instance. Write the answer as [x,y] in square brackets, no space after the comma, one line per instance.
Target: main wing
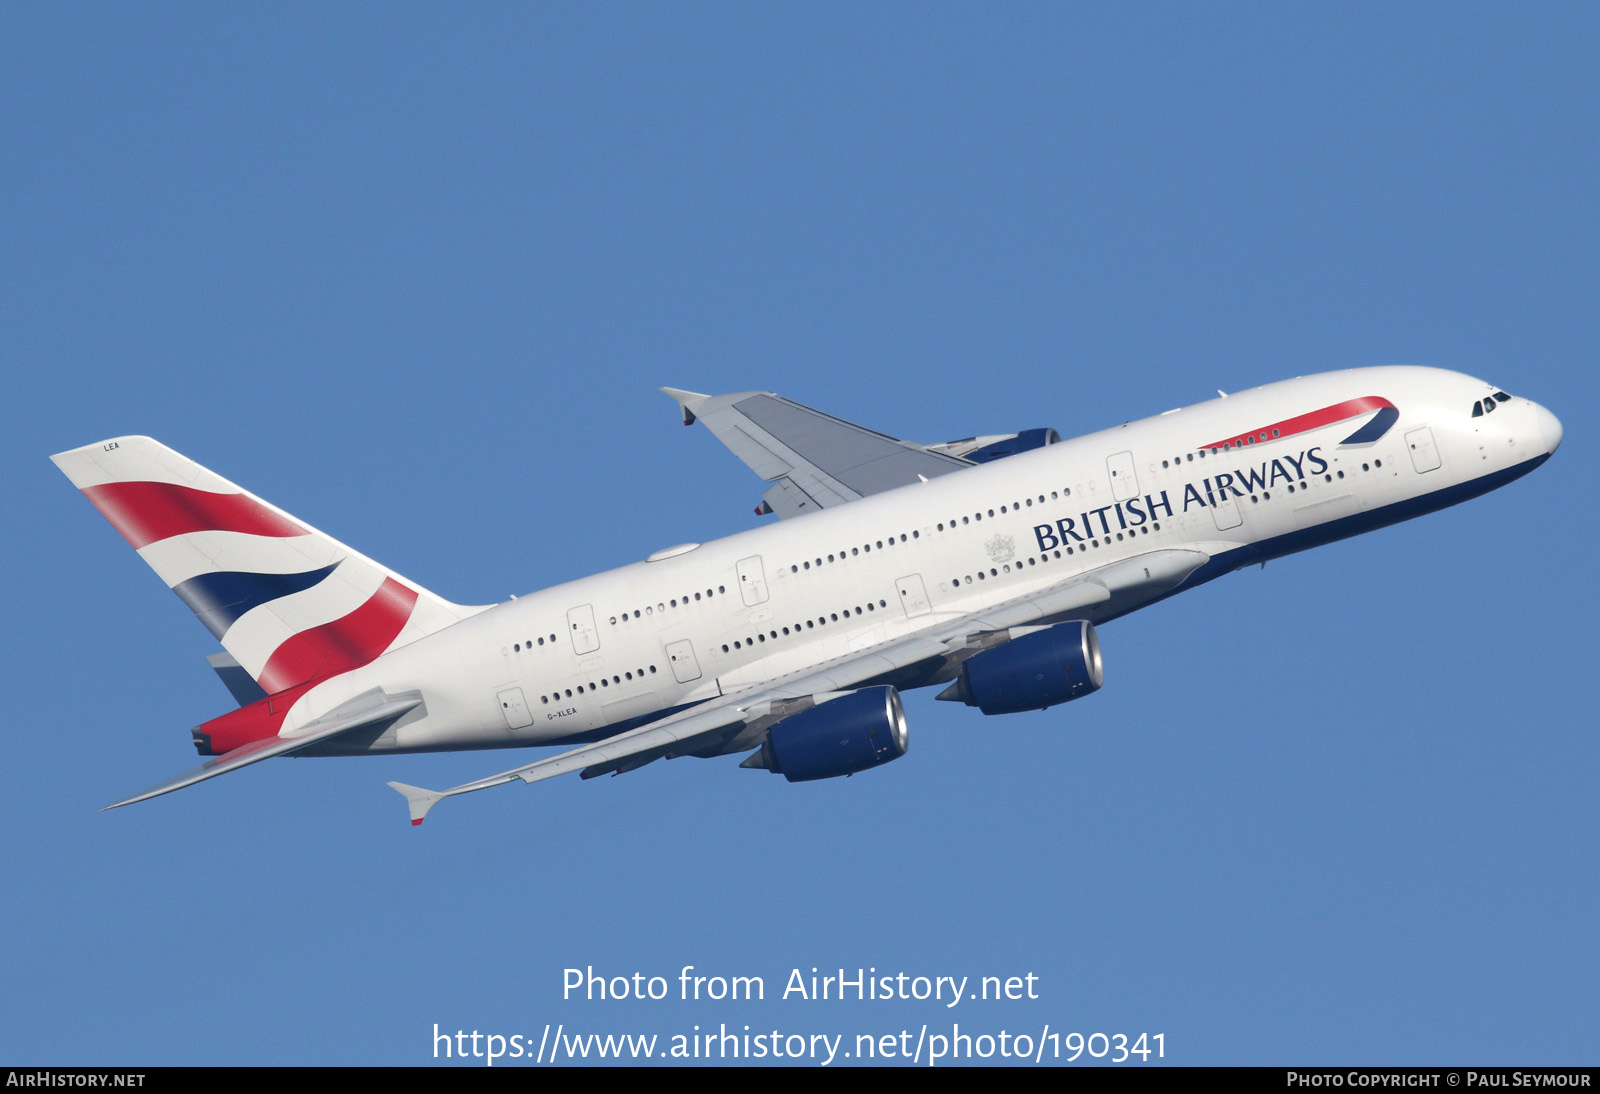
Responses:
[738,720]
[813,460]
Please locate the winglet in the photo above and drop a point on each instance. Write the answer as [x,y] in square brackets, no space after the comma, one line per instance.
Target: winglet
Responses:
[688,402]
[419,799]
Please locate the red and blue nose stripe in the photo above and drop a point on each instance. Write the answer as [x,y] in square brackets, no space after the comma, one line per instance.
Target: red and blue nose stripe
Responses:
[1377,426]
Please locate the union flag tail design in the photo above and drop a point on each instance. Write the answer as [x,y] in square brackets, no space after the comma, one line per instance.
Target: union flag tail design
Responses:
[291,604]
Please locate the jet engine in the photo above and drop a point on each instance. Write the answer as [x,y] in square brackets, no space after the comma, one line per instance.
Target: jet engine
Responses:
[863,729]
[1034,672]
[997,446]
[1025,441]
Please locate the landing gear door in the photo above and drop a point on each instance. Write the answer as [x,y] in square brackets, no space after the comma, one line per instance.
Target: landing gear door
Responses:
[752,581]
[1124,483]
[684,666]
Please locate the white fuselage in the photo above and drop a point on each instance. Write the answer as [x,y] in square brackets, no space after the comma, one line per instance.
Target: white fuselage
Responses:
[582,660]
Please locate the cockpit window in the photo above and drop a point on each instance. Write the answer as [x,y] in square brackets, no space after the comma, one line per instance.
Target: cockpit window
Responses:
[1484,406]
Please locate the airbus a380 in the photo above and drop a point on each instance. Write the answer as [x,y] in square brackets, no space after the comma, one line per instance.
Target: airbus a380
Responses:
[982,565]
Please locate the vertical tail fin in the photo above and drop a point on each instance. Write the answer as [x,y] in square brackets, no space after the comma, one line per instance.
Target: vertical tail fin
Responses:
[290,603]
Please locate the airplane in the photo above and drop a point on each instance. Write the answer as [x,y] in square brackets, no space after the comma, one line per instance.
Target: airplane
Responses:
[984,565]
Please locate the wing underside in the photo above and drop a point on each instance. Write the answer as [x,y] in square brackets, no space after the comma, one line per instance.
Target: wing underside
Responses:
[737,720]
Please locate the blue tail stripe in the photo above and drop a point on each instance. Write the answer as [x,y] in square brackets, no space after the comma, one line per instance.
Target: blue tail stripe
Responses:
[1381,421]
[220,598]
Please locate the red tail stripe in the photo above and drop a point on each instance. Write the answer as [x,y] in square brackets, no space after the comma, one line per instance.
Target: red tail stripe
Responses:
[343,644]
[1316,419]
[262,718]
[148,512]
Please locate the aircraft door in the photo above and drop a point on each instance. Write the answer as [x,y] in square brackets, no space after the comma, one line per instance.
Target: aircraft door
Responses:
[580,624]
[1226,511]
[1124,483]
[1424,453]
[684,666]
[913,595]
[515,708]
[752,581]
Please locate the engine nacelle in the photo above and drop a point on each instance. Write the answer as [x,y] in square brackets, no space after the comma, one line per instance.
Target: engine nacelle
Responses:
[1036,671]
[996,446]
[866,728]
[1026,441]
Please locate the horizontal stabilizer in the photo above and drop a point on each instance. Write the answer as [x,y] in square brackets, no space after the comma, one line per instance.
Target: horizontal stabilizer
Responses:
[267,747]
[234,677]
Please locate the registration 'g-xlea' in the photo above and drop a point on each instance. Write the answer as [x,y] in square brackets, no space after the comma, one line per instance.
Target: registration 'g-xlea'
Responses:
[982,566]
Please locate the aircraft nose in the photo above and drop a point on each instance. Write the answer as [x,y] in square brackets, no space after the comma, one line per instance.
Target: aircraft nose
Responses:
[1549,428]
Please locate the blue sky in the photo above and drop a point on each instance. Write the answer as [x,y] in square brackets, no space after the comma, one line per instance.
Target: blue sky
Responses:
[413,273]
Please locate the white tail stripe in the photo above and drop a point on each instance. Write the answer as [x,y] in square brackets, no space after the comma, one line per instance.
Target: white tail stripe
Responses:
[137,459]
[179,558]
[256,635]
[260,588]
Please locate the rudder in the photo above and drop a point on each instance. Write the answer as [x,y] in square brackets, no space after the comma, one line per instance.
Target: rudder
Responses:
[290,603]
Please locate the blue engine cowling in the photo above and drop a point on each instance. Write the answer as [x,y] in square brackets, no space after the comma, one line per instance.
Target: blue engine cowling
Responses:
[1026,441]
[1034,672]
[866,728]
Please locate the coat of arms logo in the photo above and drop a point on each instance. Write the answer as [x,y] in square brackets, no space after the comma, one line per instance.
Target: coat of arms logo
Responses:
[1001,548]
